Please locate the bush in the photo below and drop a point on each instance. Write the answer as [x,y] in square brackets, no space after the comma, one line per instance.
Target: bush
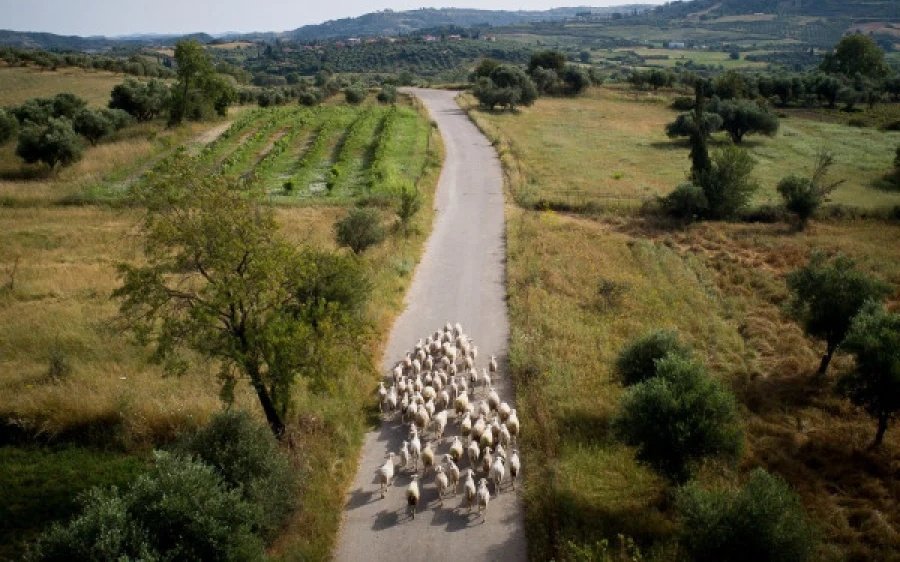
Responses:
[575,79]
[92,125]
[637,360]
[355,94]
[181,510]
[763,520]
[684,126]
[508,86]
[683,103]
[679,418]
[142,100]
[609,294]
[247,458]
[388,94]
[309,98]
[360,229]
[9,126]
[410,203]
[727,184]
[803,196]
[53,143]
[687,202]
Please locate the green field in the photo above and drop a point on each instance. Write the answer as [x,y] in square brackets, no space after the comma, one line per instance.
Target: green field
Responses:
[669,58]
[720,285]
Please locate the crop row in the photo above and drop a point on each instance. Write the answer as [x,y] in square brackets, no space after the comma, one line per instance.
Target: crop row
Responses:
[352,150]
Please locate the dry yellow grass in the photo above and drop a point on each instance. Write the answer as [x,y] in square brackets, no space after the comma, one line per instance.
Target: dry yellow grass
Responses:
[19,84]
[721,286]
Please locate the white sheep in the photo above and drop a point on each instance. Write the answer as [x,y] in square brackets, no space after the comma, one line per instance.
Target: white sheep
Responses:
[487,460]
[382,395]
[441,481]
[439,423]
[465,426]
[460,404]
[484,497]
[404,454]
[505,437]
[443,399]
[513,424]
[493,399]
[415,449]
[456,449]
[427,458]
[412,494]
[422,417]
[514,467]
[492,364]
[386,474]
[486,439]
[503,409]
[397,372]
[474,453]
[478,428]
[485,378]
[469,489]
[452,473]
[500,451]
[497,473]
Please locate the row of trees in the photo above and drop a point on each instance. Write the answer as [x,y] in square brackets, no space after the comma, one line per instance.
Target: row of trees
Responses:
[134,64]
[509,86]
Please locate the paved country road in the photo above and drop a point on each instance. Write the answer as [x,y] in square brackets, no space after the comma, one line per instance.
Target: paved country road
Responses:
[460,279]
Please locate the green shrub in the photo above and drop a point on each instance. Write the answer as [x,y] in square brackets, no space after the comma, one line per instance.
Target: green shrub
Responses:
[92,125]
[683,125]
[410,203]
[309,98]
[53,143]
[355,94]
[686,202]
[728,185]
[637,360]
[360,229]
[181,510]
[9,126]
[763,520]
[679,418]
[388,94]
[683,103]
[247,458]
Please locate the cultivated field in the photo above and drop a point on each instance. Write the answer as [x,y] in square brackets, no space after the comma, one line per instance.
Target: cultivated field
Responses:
[720,285]
[72,381]
[669,58]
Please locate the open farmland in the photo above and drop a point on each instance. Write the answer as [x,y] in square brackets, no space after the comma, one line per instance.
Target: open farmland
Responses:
[566,333]
[622,157]
[22,83]
[74,385]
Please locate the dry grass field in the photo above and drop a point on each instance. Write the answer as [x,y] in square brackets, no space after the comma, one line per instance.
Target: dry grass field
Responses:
[609,148]
[69,376]
[19,84]
[722,287]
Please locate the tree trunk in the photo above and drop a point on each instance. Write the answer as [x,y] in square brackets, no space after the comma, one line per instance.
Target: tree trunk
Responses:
[879,435]
[826,359]
[276,424]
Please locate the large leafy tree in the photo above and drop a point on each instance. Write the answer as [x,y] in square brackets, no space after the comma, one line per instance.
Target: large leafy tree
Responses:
[826,295]
[142,100]
[199,89]
[874,340]
[54,143]
[219,281]
[742,117]
[856,54]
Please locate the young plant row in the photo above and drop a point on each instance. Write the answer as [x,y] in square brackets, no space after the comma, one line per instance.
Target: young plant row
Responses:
[242,160]
[380,171]
[351,152]
[311,162]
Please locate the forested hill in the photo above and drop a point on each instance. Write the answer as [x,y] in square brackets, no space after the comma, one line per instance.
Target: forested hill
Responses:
[53,42]
[707,9]
[388,22]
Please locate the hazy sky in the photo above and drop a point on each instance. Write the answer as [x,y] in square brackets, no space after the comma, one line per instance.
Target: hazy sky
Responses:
[122,17]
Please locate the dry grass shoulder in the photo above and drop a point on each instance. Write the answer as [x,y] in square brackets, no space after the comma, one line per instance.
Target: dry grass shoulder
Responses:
[18,84]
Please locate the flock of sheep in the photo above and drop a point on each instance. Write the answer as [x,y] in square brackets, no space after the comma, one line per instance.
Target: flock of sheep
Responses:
[436,380]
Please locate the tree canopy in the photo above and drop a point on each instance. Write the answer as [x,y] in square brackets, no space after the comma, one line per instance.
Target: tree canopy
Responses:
[743,117]
[220,281]
[54,143]
[856,54]
[874,384]
[826,295]
[200,90]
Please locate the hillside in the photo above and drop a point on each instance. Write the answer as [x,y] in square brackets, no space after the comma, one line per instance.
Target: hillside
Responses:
[710,9]
[53,42]
[389,22]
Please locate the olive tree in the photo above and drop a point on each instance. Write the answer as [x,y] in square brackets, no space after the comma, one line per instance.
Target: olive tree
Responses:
[742,117]
[678,418]
[55,143]
[802,196]
[219,281]
[874,384]
[9,126]
[826,295]
[142,100]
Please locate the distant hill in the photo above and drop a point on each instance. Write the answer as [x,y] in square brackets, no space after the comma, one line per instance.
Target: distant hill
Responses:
[52,42]
[857,9]
[389,23]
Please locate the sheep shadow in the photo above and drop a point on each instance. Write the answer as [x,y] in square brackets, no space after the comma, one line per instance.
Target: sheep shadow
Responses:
[360,497]
[386,519]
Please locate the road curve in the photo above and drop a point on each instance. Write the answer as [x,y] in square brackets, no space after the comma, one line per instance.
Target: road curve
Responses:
[460,279]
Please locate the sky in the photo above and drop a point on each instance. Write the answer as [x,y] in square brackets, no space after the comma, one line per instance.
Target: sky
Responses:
[125,17]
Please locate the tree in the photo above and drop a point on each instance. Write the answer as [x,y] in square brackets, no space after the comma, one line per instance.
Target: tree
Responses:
[874,383]
[92,125]
[387,94]
[684,125]
[410,203]
[700,162]
[741,117]
[199,90]
[55,143]
[637,361]
[550,60]
[679,418]
[485,68]
[508,86]
[762,520]
[355,94]
[856,54]
[826,295]
[575,79]
[142,100]
[727,184]
[360,229]
[802,196]
[219,281]
[584,57]
[9,126]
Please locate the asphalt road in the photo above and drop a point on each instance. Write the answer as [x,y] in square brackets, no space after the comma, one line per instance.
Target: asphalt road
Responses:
[460,279]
